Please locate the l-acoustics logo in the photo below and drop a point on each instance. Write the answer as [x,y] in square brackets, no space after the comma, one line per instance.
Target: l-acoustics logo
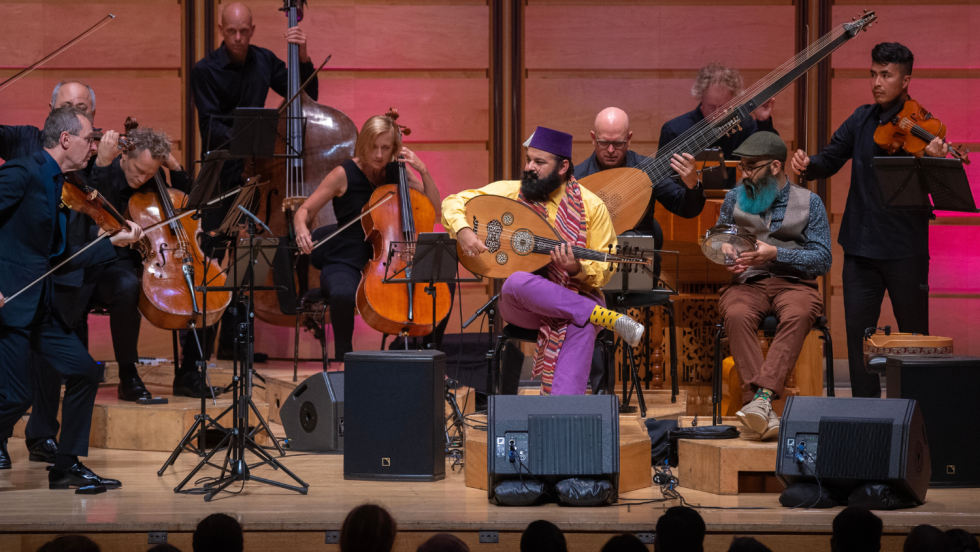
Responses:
[386,462]
[951,469]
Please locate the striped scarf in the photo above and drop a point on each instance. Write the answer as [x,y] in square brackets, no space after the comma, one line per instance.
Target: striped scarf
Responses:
[570,225]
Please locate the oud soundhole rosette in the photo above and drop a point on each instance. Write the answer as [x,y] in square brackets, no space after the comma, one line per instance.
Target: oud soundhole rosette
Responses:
[507,219]
[522,242]
[501,258]
[494,228]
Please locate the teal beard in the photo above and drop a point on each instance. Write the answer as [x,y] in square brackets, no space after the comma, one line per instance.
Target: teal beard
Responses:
[755,197]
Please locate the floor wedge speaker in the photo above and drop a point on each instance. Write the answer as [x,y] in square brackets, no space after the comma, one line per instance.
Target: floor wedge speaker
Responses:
[395,426]
[549,438]
[313,414]
[947,388]
[842,443]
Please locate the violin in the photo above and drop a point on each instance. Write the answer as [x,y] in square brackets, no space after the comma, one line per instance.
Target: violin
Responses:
[912,129]
[173,262]
[397,308]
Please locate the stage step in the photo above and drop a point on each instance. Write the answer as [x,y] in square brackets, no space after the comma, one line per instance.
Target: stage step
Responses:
[634,454]
[726,466]
[130,426]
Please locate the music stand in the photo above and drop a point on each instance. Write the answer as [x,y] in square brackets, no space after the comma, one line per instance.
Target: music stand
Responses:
[254,129]
[203,189]
[715,176]
[910,182]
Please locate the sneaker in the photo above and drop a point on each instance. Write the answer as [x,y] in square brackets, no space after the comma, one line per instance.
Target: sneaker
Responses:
[630,330]
[771,432]
[755,415]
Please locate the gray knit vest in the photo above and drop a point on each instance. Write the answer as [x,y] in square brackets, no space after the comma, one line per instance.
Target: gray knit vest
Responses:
[788,236]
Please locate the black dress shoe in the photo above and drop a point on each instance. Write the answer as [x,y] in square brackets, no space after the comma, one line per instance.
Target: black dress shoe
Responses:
[43,451]
[131,388]
[193,385]
[78,476]
[4,457]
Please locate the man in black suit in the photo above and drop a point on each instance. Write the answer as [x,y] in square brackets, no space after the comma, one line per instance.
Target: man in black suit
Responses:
[33,229]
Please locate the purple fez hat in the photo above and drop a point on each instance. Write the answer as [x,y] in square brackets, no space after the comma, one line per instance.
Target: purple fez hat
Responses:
[551,141]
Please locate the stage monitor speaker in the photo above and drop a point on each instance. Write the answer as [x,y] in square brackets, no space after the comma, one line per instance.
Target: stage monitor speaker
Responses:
[844,443]
[947,388]
[313,414]
[549,438]
[395,425]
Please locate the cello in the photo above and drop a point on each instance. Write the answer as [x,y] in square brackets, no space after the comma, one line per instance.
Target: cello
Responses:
[397,308]
[301,162]
[173,262]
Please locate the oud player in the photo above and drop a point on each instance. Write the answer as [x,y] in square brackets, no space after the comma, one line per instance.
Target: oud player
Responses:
[565,302]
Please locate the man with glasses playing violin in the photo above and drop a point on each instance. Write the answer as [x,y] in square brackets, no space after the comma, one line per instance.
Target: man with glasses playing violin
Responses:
[778,277]
[884,249]
[33,228]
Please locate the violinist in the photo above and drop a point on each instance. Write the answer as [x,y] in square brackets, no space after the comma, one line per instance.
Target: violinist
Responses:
[236,74]
[350,187]
[565,305]
[117,174]
[23,141]
[33,231]
[884,249]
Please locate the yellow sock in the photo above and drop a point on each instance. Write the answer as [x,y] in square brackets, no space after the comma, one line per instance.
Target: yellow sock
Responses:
[604,317]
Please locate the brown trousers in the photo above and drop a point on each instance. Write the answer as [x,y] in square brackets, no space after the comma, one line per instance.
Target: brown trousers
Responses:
[797,305]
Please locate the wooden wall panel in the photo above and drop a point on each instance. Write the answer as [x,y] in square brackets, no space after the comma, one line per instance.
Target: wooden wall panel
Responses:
[144,34]
[396,37]
[956,24]
[663,37]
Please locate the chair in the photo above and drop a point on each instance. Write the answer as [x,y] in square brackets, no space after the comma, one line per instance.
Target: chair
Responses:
[526,335]
[313,311]
[768,327]
[639,299]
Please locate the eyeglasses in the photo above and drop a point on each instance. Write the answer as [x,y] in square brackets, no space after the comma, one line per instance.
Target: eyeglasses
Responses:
[749,171]
[603,144]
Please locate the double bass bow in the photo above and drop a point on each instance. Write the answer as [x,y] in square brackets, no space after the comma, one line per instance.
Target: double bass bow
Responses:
[302,160]
[398,308]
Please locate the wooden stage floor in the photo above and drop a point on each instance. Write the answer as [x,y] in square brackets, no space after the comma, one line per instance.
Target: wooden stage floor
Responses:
[147,503]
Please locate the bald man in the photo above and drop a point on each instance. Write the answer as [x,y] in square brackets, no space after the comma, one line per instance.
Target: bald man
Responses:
[611,137]
[237,74]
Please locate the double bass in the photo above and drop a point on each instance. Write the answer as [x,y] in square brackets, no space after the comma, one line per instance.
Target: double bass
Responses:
[398,308]
[302,161]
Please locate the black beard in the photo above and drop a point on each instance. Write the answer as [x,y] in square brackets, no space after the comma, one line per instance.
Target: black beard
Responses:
[536,188]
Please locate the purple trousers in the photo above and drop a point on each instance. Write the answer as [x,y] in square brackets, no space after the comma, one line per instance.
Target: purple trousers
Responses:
[526,298]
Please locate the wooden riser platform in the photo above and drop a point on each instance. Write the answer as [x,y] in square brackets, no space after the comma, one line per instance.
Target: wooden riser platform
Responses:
[275,519]
[727,466]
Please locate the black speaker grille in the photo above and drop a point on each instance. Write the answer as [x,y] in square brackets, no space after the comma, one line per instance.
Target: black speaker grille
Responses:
[852,448]
[565,444]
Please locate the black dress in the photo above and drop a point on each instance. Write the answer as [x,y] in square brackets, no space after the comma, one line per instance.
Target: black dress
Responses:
[345,257]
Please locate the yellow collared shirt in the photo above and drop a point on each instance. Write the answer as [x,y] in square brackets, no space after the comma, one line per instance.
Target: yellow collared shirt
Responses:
[599,231]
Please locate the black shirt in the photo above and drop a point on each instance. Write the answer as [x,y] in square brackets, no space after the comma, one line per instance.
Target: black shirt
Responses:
[19,141]
[219,86]
[675,196]
[728,144]
[867,228]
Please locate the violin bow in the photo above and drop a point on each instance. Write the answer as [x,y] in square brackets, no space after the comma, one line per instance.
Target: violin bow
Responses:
[104,21]
[377,204]
[150,228]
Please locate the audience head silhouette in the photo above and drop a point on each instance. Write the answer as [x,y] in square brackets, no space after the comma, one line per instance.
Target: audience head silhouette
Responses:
[624,543]
[70,543]
[856,530]
[747,544]
[218,533]
[368,528]
[926,538]
[680,529]
[962,541]
[443,542]
[543,536]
